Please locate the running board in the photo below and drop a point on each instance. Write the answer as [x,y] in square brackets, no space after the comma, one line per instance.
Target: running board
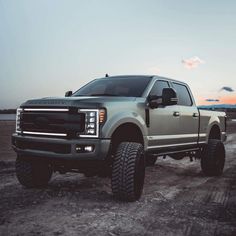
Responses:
[174,152]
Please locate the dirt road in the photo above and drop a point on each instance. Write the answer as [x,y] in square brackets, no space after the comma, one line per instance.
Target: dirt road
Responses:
[177,200]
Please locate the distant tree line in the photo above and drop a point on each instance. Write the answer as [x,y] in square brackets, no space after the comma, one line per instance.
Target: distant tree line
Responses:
[219,109]
[231,110]
[8,111]
[226,109]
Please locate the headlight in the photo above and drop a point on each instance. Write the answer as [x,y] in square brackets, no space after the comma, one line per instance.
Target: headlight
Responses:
[93,117]
[18,117]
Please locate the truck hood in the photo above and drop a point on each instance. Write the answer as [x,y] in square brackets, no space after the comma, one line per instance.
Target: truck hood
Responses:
[88,102]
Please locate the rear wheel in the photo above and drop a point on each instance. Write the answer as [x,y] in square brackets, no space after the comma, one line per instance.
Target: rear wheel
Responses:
[128,171]
[213,158]
[33,173]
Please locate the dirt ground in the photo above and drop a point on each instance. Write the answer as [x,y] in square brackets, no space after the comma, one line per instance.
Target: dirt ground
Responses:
[6,152]
[177,200]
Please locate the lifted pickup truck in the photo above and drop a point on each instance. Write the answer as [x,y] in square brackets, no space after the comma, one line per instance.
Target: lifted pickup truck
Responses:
[115,126]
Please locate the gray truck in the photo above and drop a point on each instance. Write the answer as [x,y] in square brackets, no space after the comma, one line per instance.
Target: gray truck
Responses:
[116,126]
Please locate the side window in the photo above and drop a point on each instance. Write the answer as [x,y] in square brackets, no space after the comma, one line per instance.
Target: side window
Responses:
[158,87]
[183,95]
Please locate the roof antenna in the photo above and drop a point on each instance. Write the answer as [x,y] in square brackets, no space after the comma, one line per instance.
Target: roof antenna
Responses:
[106,75]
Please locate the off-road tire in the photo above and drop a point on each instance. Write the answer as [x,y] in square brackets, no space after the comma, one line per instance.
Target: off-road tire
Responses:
[213,158]
[151,160]
[33,173]
[128,171]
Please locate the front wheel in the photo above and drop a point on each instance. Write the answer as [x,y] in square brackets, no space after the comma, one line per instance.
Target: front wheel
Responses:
[32,173]
[128,171]
[213,158]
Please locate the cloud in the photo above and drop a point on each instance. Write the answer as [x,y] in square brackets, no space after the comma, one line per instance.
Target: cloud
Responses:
[192,62]
[212,100]
[228,89]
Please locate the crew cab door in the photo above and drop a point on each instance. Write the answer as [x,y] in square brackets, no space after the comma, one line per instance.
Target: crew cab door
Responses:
[189,115]
[164,127]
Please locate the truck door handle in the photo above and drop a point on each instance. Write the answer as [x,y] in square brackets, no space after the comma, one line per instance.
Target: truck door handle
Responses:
[195,114]
[176,113]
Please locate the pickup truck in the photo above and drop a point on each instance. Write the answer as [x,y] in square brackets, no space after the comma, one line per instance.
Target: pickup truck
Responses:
[115,126]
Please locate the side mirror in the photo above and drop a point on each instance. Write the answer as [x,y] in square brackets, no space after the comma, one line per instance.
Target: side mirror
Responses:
[169,97]
[154,101]
[68,93]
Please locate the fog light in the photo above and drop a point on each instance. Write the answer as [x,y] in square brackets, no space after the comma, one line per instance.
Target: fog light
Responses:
[79,149]
[88,148]
[84,148]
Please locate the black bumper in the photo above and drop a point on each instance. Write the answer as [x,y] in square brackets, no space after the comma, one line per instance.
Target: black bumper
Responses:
[60,149]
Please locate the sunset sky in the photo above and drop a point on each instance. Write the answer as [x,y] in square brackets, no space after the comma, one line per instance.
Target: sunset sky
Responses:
[48,47]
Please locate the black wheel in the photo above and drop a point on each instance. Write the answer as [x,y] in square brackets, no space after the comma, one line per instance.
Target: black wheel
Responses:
[213,158]
[32,173]
[151,160]
[128,171]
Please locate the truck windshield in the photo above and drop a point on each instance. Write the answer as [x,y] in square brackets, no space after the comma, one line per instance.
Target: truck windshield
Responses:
[125,87]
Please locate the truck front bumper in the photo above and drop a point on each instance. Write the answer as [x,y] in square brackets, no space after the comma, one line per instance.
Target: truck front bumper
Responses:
[61,149]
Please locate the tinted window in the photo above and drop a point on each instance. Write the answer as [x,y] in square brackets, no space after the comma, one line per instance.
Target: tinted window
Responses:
[158,87]
[127,87]
[183,95]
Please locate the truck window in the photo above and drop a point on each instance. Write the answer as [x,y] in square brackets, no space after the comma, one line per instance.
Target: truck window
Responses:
[127,87]
[158,87]
[183,95]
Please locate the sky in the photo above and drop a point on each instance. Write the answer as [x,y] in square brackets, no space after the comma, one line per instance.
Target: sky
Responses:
[50,46]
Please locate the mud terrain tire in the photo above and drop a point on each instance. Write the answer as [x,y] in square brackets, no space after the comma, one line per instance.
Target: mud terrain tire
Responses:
[213,158]
[128,171]
[33,173]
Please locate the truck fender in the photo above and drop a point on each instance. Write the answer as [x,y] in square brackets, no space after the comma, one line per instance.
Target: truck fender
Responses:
[214,121]
[122,118]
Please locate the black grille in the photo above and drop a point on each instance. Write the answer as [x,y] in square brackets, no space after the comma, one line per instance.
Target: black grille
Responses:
[40,146]
[69,123]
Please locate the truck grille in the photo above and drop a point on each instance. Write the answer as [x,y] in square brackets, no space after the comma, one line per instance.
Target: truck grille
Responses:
[52,122]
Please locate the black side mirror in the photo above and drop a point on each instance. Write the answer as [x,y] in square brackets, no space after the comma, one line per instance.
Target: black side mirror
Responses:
[154,101]
[169,97]
[68,93]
